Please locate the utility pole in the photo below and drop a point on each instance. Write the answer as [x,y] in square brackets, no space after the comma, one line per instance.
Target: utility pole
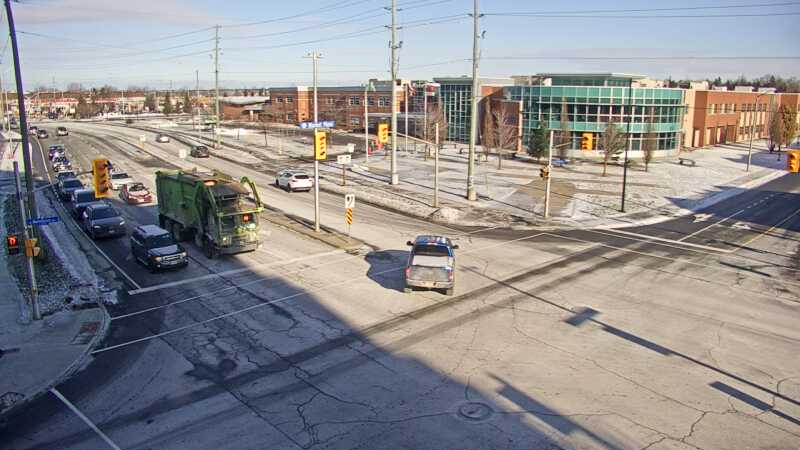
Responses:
[406,97]
[37,315]
[315,56]
[366,122]
[473,121]
[216,84]
[395,179]
[752,130]
[2,101]
[23,119]
[547,180]
[196,98]
[436,169]
[628,144]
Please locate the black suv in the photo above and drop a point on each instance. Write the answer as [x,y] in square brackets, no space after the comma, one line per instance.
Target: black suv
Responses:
[155,248]
[81,198]
[102,220]
[199,151]
[67,186]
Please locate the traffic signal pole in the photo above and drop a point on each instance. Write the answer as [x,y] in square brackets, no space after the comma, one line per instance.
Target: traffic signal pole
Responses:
[37,314]
[314,57]
[547,179]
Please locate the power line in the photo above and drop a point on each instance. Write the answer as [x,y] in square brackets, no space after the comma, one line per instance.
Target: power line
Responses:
[603,11]
[672,16]
[329,7]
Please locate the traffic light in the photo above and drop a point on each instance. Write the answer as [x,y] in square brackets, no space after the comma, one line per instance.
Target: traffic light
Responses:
[793,161]
[31,249]
[320,145]
[12,244]
[587,141]
[383,133]
[544,172]
[101,178]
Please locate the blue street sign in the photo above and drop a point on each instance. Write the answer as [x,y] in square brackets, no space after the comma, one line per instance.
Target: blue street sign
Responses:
[43,221]
[321,124]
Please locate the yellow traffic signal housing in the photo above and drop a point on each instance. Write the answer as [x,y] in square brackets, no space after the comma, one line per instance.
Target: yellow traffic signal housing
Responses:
[587,141]
[544,172]
[31,249]
[793,161]
[383,133]
[320,145]
[12,244]
[101,178]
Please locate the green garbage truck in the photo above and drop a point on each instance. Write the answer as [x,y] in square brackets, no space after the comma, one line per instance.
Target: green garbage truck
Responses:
[217,212]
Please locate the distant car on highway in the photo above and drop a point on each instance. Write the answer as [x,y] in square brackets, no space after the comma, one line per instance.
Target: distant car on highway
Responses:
[119,179]
[431,264]
[102,220]
[66,187]
[80,199]
[294,180]
[62,131]
[162,138]
[42,134]
[199,151]
[135,193]
[156,248]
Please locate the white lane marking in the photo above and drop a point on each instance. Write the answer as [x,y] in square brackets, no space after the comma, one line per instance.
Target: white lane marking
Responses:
[671,241]
[230,272]
[758,236]
[91,241]
[360,279]
[741,226]
[85,419]
[712,225]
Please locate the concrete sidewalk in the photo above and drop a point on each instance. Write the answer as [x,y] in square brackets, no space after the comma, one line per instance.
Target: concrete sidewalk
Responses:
[35,355]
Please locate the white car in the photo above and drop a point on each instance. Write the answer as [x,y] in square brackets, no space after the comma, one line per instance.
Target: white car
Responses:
[162,138]
[294,180]
[119,179]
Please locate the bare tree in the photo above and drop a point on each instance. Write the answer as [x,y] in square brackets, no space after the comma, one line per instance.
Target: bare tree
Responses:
[489,134]
[612,142]
[506,134]
[73,87]
[436,116]
[789,119]
[650,142]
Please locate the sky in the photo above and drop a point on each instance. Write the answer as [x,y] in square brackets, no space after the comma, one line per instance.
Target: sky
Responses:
[163,43]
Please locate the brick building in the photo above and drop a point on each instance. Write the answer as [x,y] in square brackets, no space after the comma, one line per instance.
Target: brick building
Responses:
[720,117]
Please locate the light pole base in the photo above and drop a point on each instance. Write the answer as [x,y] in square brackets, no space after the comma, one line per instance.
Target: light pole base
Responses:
[395,179]
[472,195]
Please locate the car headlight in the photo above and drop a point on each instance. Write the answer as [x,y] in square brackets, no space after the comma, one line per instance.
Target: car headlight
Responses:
[95,226]
[122,222]
[157,259]
[183,254]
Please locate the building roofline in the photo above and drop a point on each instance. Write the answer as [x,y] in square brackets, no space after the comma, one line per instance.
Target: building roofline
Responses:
[588,75]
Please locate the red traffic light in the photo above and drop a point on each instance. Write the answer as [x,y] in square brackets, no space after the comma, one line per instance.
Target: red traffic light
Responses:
[12,244]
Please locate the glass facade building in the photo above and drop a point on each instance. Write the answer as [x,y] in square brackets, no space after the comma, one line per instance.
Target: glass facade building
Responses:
[591,101]
[454,95]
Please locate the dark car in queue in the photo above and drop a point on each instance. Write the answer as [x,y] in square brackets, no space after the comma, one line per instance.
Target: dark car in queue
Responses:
[101,220]
[66,187]
[80,199]
[64,174]
[155,247]
[55,148]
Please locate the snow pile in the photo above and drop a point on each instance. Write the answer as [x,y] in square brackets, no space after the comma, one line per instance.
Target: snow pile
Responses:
[446,214]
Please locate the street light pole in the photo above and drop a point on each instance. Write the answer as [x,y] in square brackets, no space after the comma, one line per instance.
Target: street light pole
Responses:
[473,122]
[366,121]
[216,86]
[752,130]
[395,179]
[23,120]
[627,144]
[314,56]
[549,172]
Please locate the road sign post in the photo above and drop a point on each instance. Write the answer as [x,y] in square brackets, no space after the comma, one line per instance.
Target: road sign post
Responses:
[320,154]
[343,161]
[349,205]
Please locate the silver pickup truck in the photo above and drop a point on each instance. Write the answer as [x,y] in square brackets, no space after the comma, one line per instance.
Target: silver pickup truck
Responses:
[431,264]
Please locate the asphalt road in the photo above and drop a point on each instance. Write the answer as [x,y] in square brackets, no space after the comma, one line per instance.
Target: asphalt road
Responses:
[677,335]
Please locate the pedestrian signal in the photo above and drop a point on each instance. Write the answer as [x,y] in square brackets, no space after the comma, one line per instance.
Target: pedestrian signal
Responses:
[12,244]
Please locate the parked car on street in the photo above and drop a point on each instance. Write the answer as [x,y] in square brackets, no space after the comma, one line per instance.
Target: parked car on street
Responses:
[102,220]
[431,264]
[80,199]
[162,138]
[156,248]
[199,151]
[62,131]
[294,180]
[135,193]
[67,186]
[119,179]
[42,134]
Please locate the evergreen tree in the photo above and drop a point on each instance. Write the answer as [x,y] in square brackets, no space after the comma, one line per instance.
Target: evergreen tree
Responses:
[539,141]
[187,103]
[168,104]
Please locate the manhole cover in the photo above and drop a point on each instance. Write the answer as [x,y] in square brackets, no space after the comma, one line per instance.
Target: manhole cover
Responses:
[475,411]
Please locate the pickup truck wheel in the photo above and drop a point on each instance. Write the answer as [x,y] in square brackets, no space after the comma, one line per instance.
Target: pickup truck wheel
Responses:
[448,292]
[408,290]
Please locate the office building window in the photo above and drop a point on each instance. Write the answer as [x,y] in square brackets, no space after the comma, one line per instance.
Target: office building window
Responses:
[355,121]
[280,99]
[354,101]
[289,99]
[330,100]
